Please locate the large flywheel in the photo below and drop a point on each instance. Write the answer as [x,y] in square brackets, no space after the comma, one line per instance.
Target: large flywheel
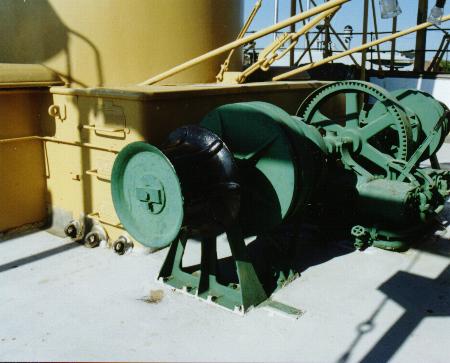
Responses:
[365,117]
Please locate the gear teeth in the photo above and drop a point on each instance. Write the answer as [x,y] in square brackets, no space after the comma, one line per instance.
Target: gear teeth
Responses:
[311,103]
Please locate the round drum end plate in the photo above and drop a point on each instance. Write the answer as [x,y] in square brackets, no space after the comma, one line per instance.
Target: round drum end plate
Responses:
[147,195]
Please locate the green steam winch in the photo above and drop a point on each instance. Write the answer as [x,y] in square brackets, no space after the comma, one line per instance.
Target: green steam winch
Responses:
[249,167]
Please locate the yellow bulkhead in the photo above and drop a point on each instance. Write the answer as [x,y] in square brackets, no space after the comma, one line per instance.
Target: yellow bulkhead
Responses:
[117,42]
[60,168]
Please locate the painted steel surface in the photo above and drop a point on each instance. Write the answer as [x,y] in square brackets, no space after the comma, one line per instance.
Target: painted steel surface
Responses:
[147,195]
[254,133]
[117,42]
[81,187]
[374,189]
[24,100]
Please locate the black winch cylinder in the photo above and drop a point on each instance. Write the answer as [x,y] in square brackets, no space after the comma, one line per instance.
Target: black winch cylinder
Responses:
[208,175]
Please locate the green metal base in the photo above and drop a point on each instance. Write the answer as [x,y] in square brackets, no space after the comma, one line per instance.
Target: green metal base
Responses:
[394,246]
[205,282]
[396,241]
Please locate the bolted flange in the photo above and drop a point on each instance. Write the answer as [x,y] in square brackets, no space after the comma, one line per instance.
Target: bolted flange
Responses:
[74,230]
[122,245]
[92,239]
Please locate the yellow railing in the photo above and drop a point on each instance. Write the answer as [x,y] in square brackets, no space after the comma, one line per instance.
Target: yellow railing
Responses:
[242,41]
[357,49]
[270,54]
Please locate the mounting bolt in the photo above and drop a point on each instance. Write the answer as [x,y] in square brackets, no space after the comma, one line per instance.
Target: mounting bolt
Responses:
[122,245]
[92,239]
[96,235]
[74,230]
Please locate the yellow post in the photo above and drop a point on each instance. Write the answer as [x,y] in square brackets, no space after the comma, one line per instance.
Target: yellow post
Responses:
[242,41]
[269,55]
[226,63]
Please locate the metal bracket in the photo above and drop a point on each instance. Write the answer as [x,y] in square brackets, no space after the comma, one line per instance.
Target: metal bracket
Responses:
[96,216]
[106,130]
[58,111]
[94,172]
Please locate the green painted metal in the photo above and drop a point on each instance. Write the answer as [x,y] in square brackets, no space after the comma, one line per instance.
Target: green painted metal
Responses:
[396,241]
[259,135]
[366,141]
[394,211]
[382,137]
[386,200]
[278,159]
[282,309]
[204,282]
[147,195]
[252,132]
[364,157]
[428,113]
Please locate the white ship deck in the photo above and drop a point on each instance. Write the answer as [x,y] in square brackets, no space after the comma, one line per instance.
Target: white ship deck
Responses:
[61,301]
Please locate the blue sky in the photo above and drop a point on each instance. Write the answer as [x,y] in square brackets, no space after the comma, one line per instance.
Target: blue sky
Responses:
[351,13]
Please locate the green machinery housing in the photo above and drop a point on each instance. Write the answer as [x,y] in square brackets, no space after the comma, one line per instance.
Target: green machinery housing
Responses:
[248,168]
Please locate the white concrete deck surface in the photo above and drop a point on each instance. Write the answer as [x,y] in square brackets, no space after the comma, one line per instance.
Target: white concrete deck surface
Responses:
[60,301]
